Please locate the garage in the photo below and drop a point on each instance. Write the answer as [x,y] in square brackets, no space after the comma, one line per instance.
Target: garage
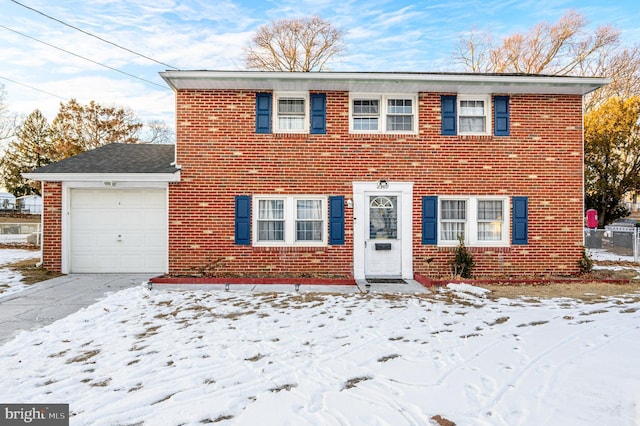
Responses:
[118,230]
[105,210]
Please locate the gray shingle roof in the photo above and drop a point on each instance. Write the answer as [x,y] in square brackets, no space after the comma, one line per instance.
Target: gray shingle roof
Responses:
[117,158]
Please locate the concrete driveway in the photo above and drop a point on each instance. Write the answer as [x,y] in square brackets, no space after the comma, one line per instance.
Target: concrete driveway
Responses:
[48,301]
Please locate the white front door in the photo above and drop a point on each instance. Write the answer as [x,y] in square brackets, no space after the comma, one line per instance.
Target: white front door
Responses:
[382,230]
[383,243]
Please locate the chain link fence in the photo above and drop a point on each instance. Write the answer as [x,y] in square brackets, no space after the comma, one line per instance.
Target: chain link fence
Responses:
[618,242]
[20,233]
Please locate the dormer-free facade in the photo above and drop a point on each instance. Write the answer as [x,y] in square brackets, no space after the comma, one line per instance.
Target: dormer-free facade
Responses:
[376,174]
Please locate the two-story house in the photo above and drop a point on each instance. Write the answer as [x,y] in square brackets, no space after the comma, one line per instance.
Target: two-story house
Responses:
[340,174]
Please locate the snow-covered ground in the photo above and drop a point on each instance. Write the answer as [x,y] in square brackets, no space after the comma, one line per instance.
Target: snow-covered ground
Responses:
[11,281]
[163,357]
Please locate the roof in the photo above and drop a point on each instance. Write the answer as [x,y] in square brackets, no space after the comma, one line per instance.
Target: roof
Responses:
[126,161]
[383,82]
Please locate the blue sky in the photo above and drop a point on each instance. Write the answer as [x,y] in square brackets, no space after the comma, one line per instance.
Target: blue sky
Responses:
[381,35]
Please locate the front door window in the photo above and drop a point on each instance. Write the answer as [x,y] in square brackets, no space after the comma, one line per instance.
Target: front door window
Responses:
[383,218]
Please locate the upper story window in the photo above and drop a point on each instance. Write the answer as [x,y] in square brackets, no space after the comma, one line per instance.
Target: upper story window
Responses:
[474,115]
[382,114]
[292,113]
[366,114]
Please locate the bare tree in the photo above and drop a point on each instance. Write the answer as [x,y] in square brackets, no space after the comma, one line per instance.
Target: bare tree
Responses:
[300,44]
[622,66]
[157,131]
[8,121]
[563,48]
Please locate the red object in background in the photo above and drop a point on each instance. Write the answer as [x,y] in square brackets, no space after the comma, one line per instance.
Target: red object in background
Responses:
[592,219]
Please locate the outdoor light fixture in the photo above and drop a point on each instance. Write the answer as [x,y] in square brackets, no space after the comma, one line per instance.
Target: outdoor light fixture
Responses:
[297,287]
[383,184]
[226,286]
[349,203]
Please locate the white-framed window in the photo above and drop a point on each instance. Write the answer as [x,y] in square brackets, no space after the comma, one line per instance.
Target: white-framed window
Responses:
[291,112]
[474,114]
[383,113]
[480,221]
[366,115]
[289,220]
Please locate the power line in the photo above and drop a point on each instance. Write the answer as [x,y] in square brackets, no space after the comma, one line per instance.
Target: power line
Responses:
[82,57]
[93,35]
[33,88]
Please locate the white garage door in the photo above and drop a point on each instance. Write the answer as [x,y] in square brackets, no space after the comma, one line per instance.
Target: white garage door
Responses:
[123,230]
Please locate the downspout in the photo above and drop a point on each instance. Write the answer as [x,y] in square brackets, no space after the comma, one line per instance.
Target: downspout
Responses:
[39,264]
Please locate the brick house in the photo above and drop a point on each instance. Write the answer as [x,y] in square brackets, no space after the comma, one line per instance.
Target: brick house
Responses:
[351,174]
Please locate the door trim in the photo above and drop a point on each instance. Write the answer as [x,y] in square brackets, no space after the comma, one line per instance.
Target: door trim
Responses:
[403,190]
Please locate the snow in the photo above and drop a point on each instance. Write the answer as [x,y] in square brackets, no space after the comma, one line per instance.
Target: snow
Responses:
[11,281]
[191,357]
[13,238]
[604,255]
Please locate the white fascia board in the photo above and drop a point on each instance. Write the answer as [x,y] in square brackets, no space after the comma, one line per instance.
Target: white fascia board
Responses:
[104,177]
[365,81]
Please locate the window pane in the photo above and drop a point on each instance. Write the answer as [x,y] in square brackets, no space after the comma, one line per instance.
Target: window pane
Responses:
[291,106]
[489,231]
[309,230]
[365,123]
[309,209]
[453,210]
[365,107]
[271,209]
[291,123]
[472,124]
[383,218]
[399,106]
[270,230]
[472,108]
[490,220]
[451,230]
[490,210]
[399,122]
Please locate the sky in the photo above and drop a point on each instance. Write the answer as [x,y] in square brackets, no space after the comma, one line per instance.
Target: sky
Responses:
[195,357]
[381,35]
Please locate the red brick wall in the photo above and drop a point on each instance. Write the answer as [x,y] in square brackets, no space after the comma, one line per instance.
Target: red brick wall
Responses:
[52,227]
[222,156]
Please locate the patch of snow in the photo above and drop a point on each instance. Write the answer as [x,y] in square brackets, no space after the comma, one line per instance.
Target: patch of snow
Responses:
[605,255]
[13,238]
[468,288]
[194,357]
[11,281]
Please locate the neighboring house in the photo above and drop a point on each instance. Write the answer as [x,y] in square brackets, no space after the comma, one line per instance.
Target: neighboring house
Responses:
[7,201]
[29,204]
[363,174]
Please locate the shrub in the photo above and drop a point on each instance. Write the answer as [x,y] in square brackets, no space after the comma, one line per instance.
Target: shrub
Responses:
[585,262]
[462,263]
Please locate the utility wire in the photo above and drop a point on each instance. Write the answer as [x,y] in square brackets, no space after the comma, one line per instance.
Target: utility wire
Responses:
[33,88]
[93,35]
[82,57]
